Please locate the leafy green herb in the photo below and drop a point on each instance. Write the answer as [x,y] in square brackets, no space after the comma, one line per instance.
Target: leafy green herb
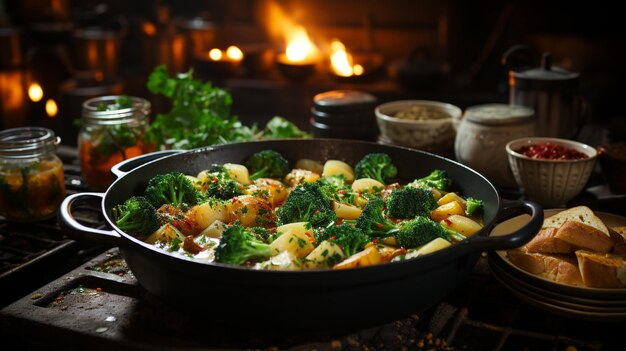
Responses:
[279,127]
[174,245]
[200,115]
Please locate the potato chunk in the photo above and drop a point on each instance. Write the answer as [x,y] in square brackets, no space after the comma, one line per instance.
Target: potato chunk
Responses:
[461,224]
[368,257]
[250,211]
[326,252]
[296,238]
[332,167]
[238,172]
[346,211]
[367,185]
[209,212]
[446,210]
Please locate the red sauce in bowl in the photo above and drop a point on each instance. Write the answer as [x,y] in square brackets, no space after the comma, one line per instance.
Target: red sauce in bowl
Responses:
[549,151]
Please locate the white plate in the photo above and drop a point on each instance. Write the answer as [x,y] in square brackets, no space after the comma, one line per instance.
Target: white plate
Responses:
[499,258]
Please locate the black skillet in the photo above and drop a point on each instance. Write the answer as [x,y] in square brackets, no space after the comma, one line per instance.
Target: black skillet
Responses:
[304,300]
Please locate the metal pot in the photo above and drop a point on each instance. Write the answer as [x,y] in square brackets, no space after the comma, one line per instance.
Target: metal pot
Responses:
[552,92]
[302,300]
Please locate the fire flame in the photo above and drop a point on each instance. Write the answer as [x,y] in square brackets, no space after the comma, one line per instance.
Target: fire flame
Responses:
[35,92]
[51,108]
[299,46]
[342,62]
[281,27]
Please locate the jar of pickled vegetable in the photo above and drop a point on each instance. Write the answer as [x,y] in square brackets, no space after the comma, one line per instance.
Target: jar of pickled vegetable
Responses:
[32,184]
[112,130]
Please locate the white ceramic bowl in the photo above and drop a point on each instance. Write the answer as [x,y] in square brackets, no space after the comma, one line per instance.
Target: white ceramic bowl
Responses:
[552,183]
[422,133]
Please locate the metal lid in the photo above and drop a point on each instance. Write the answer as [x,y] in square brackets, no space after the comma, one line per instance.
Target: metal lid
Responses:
[499,114]
[341,101]
[546,76]
[98,111]
[27,142]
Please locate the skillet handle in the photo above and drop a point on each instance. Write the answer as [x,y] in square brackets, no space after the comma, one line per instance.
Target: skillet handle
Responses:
[77,231]
[518,238]
[120,169]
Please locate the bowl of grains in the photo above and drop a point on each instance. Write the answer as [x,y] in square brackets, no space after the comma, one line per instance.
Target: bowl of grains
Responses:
[420,124]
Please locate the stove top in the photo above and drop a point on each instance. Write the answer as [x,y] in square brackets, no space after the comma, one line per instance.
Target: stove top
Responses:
[100,305]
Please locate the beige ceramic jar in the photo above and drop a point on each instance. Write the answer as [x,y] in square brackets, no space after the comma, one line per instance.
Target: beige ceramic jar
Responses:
[483,133]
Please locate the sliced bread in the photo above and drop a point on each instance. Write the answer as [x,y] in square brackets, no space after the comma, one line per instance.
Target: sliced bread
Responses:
[546,242]
[601,270]
[559,268]
[582,214]
[584,236]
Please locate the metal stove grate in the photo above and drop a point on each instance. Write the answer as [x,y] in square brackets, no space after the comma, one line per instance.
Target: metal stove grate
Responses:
[100,305]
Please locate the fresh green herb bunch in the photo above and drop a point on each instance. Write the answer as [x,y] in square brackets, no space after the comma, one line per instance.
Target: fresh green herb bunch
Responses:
[200,115]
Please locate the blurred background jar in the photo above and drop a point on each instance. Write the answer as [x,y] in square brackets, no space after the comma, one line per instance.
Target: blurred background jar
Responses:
[112,130]
[483,133]
[32,184]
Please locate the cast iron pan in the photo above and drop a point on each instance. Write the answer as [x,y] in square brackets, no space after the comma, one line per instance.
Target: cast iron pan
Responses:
[302,300]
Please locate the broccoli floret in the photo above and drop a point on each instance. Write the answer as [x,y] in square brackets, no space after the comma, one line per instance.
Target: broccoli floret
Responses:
[376,166]
[307,203]
[263,234]
[418,231]
[267,163]
[350,239]
[372,220]
[337,188]
[421,230]
[239,245]
[172,188]
[136,216]
[409,202]
[473,206]
[437,179]
[220,185]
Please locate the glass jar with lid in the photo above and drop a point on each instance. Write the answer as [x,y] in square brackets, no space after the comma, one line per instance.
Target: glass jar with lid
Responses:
[32,184]
[112,130]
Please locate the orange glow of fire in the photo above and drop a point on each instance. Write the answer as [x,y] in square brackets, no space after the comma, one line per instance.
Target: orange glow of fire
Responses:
[51,108]
[215,54]
[35,92]
[342,62]
[299,46]
[280,27]
[234,53]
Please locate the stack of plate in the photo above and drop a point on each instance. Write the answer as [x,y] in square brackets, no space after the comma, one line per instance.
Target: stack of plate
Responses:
[569,300]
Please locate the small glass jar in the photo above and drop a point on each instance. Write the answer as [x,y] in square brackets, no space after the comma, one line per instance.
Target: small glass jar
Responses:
[32,184]
[112,130]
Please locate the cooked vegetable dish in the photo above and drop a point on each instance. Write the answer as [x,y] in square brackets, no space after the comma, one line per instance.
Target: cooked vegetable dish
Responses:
[266,214]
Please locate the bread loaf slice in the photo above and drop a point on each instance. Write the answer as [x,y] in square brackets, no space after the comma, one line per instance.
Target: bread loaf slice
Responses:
[619,243]
[559,268]
[601,270]
[584,236]
[582,214]
[546,242]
